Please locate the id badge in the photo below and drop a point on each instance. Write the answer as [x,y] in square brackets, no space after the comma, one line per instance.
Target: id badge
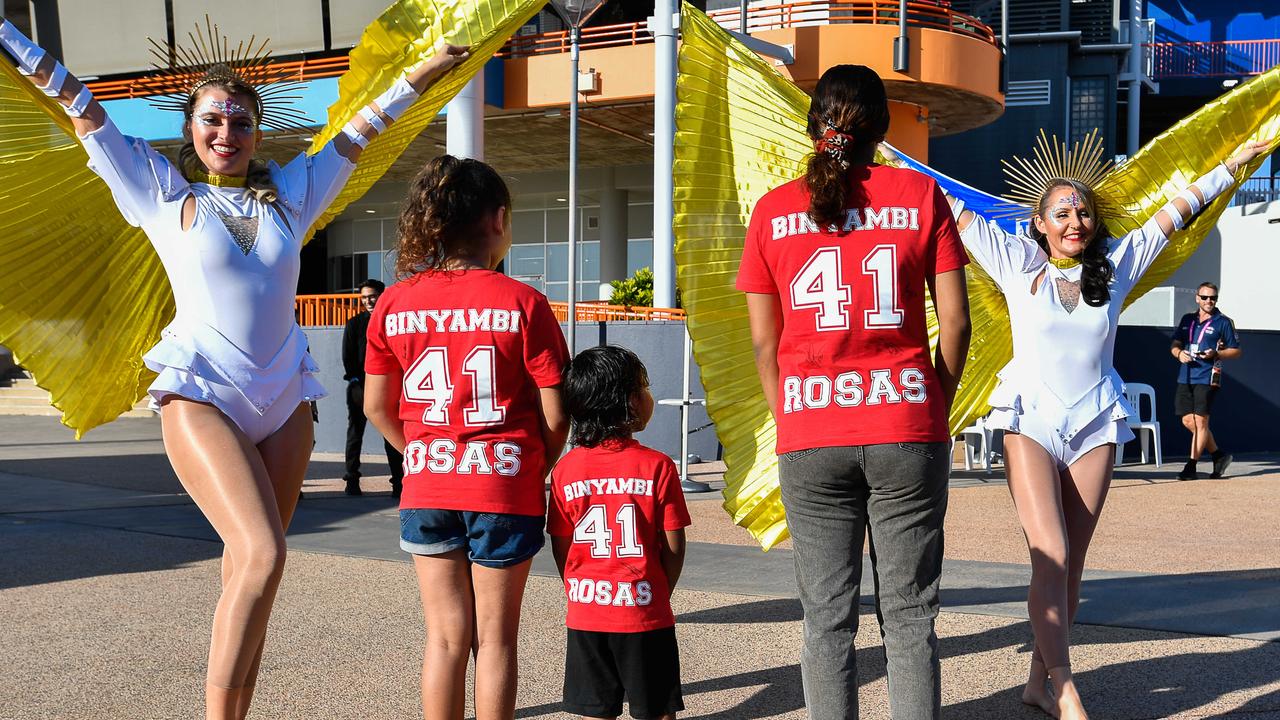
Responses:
[1194,349]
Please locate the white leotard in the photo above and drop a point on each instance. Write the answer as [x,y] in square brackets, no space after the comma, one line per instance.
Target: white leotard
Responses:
[233,341]
[1061,388]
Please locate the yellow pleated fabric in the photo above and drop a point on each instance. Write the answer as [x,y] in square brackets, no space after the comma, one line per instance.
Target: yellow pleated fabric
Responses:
[83,295]
[408,33]
[740,131]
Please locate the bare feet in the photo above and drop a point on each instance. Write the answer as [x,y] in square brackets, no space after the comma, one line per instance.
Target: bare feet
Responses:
[1069,705]
[1041,697]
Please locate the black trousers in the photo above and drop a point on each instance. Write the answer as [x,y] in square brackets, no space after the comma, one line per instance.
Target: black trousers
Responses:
[356,422]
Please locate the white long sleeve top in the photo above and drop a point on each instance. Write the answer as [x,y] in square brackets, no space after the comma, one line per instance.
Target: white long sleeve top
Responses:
[235,309]
[1063,359]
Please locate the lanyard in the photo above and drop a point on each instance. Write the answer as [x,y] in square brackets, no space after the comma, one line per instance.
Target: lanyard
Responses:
[1203,328]
[1199,338]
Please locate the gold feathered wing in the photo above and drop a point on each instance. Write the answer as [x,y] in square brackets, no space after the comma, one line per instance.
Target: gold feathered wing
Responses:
[740,132]
[405,35]
[83,295]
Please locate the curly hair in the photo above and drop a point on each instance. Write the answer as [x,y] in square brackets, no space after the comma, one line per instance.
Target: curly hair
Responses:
[599,386]
[447,202]
[851,100]
[1096,272]
[258,179]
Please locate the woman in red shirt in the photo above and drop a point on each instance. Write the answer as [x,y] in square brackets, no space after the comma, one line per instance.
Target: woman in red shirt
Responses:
[463,376]
[835,267]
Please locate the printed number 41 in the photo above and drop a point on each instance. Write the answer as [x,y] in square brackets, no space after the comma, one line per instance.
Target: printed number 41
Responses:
[593,528]
[427,381]
[820,284]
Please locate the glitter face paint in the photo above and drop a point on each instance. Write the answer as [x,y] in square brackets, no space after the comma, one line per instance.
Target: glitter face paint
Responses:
[1073,200]
[226,107]
[1067,224]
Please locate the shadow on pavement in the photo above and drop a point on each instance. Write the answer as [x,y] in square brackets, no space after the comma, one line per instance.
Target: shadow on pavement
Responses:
[1151,687]
[144,472]
[1148,687]
[57,552]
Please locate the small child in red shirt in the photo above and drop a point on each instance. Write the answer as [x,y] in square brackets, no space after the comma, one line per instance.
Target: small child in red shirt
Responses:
[617,522]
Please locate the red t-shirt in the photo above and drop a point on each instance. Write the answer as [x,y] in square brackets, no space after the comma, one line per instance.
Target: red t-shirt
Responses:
[615,500]
[473,347]
[854,366]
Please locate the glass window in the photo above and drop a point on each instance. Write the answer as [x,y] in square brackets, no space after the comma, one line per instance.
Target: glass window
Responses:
[1088,107]
[639,255]
[526,263]
[341,273]
[527,227]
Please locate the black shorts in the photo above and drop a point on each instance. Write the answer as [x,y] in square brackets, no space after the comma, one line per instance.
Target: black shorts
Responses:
[1193,399]
[602,667]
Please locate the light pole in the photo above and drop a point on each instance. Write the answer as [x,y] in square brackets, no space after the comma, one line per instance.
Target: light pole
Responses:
[575,13]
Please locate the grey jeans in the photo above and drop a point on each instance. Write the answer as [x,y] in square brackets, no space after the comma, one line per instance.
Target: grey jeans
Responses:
[897,491]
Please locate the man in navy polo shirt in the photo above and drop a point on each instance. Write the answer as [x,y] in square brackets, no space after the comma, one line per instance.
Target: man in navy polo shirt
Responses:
[1202,341]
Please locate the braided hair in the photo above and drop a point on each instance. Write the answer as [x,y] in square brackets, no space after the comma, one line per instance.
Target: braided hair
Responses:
[447,204]
[848,115]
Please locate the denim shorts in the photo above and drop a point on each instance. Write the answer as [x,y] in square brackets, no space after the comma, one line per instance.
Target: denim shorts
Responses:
[494,540]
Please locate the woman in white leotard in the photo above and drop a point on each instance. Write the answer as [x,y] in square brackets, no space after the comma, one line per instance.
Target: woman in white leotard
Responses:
[1060,400]
[234,374]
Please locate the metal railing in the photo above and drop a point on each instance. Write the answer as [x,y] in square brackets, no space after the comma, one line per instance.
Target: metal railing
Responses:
[1227,58]
[1257,190]
[920,13]
[326,310]
[334,310]
[604,312]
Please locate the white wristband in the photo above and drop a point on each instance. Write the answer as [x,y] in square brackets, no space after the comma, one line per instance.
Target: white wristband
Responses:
[355,136]
[56,81]
[1211,185]
[27,53]
[373,118]
[397,99]
[80,103]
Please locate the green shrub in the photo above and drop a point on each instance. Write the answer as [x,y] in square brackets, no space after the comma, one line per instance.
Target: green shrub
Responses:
[635,291]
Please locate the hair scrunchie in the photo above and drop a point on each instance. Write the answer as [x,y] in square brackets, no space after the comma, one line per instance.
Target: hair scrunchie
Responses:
[835,142]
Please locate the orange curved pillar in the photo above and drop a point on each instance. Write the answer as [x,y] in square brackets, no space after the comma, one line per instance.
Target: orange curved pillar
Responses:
[909,129]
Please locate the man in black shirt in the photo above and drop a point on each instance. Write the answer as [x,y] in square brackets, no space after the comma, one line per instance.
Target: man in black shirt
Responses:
[353,346]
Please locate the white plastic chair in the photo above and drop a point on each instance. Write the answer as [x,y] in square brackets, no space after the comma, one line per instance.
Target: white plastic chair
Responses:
[1143,424]
[982,433]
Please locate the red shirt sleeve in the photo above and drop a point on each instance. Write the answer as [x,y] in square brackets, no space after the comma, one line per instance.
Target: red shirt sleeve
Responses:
[675,514]
[754,273]
[545,351]
[949,252]
[378,357]
[557,519]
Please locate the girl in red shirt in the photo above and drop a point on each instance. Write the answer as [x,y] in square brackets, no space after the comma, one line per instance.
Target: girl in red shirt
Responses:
[835,267]
[463,376]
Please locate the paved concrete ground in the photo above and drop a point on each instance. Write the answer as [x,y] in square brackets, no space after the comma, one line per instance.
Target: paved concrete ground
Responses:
[108,577]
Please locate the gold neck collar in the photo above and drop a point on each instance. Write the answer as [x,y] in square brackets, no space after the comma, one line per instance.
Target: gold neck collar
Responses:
[219,180]
[1064,263]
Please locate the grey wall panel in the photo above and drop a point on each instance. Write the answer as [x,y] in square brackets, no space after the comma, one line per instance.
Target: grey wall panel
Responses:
[349,18]
[293,26]
[106,38]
